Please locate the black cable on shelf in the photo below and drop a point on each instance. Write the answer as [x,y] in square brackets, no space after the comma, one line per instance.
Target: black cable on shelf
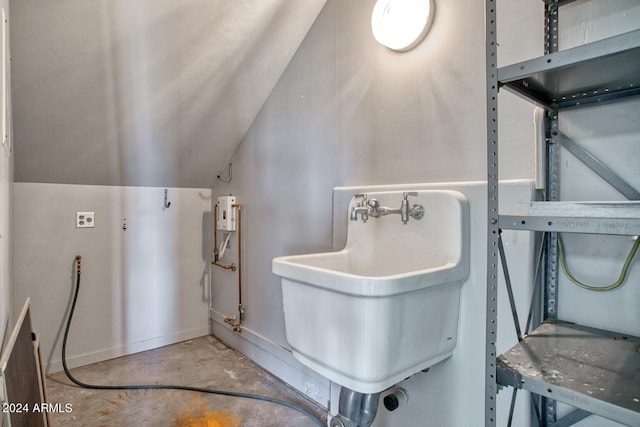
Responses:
[160,386]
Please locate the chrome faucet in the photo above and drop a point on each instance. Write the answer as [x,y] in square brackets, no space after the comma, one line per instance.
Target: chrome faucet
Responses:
[416,211]
[361,208]
[371,208]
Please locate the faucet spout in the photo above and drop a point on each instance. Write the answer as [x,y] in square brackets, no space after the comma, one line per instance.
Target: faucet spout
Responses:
[363,211]
[361,208]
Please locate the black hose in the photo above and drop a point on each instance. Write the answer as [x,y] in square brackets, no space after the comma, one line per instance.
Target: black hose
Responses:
[161,387]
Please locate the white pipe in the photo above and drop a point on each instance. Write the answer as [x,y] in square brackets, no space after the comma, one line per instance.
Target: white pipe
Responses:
[540,147]
[223,246]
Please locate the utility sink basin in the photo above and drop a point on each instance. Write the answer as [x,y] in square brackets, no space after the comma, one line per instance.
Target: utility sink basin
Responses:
[386,306]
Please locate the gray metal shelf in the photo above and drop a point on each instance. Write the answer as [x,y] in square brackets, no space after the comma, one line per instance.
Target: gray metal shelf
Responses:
[597,72]
[594,370]
[621,218]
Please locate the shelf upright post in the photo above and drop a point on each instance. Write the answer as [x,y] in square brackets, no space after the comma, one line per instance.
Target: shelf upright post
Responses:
[552,194]
[492,213]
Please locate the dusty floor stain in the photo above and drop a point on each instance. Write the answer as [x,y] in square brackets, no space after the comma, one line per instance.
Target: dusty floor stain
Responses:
[112,402]
[204,362]
[231,374]
[198,414]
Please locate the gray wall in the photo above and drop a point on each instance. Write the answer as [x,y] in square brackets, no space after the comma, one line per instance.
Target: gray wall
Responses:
[345,112]
[6,187]
[145,268]
[349,112]
[144,92]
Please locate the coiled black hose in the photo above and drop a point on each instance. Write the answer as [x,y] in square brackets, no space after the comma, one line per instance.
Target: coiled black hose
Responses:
[161,387]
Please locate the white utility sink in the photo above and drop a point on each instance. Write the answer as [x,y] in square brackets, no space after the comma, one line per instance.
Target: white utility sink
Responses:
[386,306]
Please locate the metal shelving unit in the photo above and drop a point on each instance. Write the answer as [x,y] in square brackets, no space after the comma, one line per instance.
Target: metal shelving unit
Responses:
[586,367]
[596,371]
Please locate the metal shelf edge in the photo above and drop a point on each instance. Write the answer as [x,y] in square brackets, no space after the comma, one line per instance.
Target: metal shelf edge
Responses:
[539,79]
[567,224]
[547,360]
[619,218]
[568,57]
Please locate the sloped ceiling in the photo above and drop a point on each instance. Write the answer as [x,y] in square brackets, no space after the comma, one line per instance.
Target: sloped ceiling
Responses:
[143,92]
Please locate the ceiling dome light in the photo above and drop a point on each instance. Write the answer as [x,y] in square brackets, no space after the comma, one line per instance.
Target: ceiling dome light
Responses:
[401,24]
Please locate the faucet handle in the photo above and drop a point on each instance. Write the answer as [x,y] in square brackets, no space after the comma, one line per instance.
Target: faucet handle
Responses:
[362,196]
[406,194]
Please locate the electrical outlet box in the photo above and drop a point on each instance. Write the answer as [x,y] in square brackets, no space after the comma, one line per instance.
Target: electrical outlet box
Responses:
[85,219]
[226,219]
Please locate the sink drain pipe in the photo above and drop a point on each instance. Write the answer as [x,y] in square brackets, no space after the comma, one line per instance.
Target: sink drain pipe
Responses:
[355,409]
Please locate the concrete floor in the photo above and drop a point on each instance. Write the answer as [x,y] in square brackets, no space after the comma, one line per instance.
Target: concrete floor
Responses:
[202,362]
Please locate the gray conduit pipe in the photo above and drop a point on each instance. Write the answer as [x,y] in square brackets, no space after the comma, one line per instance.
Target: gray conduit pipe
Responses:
[355,409]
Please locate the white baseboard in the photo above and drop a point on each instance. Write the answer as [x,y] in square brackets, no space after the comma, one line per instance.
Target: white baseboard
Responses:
[274,358]
[126,349]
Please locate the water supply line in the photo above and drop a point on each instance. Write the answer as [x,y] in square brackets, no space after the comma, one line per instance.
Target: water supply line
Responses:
[79,383]
[598,288]
[216,255]
[235,323]
[223,246]
[228,178]
[396,399]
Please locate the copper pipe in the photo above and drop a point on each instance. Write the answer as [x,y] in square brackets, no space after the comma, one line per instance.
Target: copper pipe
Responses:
[237,205]
[235,323]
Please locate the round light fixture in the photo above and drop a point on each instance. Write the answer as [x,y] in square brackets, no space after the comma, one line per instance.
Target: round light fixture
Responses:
[401,24]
